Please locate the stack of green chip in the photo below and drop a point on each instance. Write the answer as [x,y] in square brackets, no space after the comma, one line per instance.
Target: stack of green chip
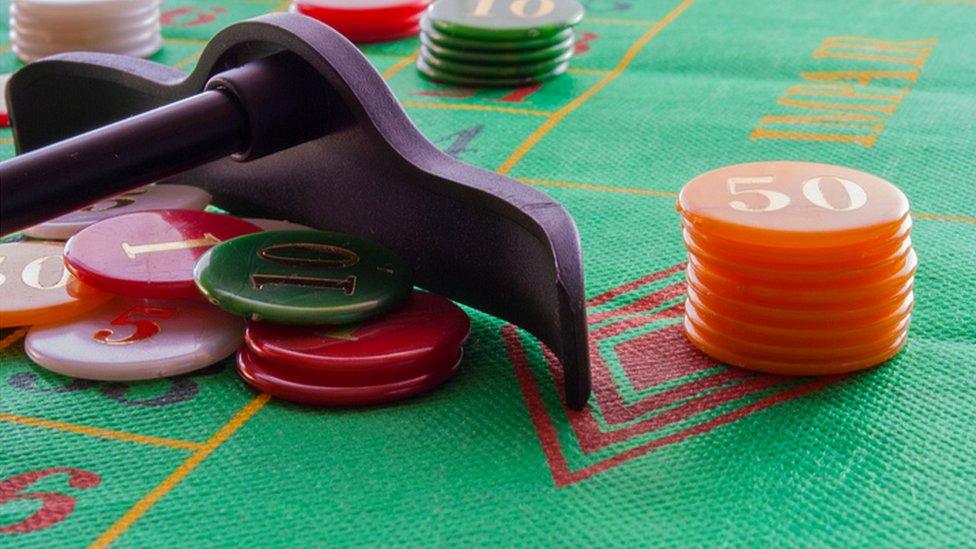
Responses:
[497,42]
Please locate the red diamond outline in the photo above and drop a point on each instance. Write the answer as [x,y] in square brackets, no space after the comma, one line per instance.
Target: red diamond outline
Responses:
[725,386]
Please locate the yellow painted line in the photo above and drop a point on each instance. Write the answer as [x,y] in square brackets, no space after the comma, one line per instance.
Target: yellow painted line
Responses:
[621,22]
[283,6]
[146,503]
[400,65]
[381,53]
[183,63]
[6,47]
[943,217]
[601,188]
[6,140]
[470,107]
[12,338]
[562,113]
[186,41]
[100,433]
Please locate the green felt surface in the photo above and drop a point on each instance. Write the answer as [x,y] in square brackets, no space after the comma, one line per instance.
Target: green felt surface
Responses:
[675,449]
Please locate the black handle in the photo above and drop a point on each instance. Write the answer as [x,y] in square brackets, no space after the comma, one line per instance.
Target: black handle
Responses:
[249,111]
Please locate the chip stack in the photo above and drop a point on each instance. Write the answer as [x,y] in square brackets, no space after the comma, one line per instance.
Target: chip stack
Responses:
[797,268]
[39,28]
[497,42]
[366,21]
[332,319]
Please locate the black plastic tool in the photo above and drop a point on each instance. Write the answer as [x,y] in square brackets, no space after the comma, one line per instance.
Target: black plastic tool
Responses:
[284,118]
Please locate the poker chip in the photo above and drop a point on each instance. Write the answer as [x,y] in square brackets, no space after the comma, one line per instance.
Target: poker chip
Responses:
[504,20]
[422,336]
[303,277]
[296,388]
[484,81]
[513,70]
[797,268]
[136,339]
[149,254]
[4,113]
[490,57]
[36,288]
[431,34]
[39,28]
[150,197]
[367,20]
[497,42]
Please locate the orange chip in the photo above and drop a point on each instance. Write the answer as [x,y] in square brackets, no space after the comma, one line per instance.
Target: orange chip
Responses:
[35,287]
[792,204]
[797,268]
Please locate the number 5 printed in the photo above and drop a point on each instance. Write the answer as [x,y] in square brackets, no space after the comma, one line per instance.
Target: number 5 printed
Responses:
[776,199]
[55,507]
[812,190]
[144,329]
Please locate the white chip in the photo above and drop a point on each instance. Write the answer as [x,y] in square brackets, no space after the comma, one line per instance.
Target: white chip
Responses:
[39,28]
[151,197]
[134,339]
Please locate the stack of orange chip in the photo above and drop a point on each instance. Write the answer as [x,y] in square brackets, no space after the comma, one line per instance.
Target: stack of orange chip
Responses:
[797,268]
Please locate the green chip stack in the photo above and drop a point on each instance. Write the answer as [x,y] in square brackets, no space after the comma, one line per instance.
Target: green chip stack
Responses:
[497,42]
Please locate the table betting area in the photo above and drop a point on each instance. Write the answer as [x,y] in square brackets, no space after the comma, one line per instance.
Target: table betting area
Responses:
[487,272]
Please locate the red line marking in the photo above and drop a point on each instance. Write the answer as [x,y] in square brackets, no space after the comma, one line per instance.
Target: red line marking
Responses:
[644,304]
[548,435]
[566,477]
[633,285]
[544,428]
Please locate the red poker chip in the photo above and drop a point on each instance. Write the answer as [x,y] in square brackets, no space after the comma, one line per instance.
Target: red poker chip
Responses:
[149,254]
[385,37]
[367,28]
[422,336]
[264,377]
[329,11]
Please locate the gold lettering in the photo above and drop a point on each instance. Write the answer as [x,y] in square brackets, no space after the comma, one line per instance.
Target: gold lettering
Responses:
[346,285]
[869,101]
[133,250]
[843,120]
[908,52]
[863,140]
[31,274]
[863,78]
[843,99]
[335,257]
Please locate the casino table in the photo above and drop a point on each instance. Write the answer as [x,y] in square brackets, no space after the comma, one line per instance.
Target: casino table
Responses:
[674,447]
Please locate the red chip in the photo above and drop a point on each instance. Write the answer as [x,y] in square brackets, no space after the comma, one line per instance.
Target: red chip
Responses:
[149,254]
[360,10]
[369,20]
[263,377]
[423,336]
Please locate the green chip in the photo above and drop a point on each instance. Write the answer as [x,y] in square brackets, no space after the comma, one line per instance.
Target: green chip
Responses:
[494,71]
[303,277]
[510,46]
[488,57]
[504,20]
[446,77]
